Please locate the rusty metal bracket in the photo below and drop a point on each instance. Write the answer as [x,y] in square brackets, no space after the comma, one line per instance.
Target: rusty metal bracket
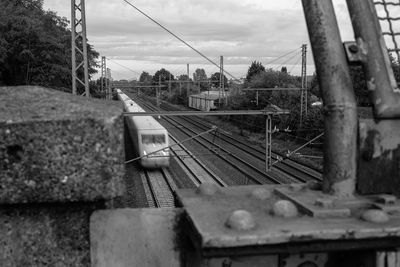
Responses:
[354,53]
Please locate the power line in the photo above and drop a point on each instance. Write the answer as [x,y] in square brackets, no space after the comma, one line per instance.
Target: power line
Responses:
[272,61]
[123,66]
[177,37]
[297,62]
[287,60]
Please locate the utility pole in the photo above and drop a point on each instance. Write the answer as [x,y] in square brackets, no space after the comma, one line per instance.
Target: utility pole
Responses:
[108,80]
[221,79]
[303,98]
[169,86]
[103,79]
[158,91]
[79,46]
[188,83]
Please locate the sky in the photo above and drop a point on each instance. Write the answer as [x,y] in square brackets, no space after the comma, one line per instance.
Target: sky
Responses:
[239,30]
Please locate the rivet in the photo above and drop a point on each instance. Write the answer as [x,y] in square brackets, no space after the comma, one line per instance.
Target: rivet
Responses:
[285,208]
[353,48]
[324,202]
[207,189]
[375,216]
[261,193]
[241,220]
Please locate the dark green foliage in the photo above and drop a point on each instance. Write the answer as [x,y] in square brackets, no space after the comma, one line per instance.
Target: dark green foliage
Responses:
[215,80]
[254,69]
[162,75]
[145,77]
[35,46]
[289,99]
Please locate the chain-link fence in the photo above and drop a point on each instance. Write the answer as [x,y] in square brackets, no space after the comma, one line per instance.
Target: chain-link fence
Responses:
[389,17]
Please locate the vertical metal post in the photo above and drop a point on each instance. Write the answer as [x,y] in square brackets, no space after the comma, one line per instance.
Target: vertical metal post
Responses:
[180,88]
[103,78]
[303,98]
[158,91]
[169,86]
[108,80]
[268,143]
[257,98]
[340,109]
[79,46]
[188,82]
[220,79]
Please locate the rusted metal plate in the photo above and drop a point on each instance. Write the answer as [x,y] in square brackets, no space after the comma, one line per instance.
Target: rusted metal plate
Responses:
[237,217]
[134,237]
[379,157]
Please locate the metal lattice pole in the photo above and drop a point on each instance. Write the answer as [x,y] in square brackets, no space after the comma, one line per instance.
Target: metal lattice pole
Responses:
[188,83]
[221,79]
[108,80]
[103,76]
[303,98]
[268,143]
[79,46]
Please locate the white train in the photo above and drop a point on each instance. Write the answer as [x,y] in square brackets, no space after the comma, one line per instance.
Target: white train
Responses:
[147,135]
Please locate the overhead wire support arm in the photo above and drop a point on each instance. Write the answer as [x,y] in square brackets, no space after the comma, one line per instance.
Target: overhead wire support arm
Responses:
[213,128]
[208,113]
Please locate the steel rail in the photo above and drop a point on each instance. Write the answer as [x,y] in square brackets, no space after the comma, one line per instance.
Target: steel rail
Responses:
[305,176]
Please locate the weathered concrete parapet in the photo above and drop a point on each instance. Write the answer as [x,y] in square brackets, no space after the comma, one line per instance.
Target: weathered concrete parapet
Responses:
[56,147]
[61,158]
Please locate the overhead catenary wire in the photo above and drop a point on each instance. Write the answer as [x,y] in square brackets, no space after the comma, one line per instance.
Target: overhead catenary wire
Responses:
[288,53]
[179,38]
[297,62]
[287,60]
[122,65]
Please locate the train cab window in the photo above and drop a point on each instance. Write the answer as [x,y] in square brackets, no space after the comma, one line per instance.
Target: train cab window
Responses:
[153,139]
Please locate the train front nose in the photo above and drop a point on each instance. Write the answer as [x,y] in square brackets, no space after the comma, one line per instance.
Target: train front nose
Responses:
[155,158]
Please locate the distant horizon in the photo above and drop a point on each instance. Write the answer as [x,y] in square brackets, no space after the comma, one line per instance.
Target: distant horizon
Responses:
[240,30]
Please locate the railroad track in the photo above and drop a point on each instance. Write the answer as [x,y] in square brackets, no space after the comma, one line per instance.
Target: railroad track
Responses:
[245,172]
[284,171]
[300,172]
[193,167]
[159,187]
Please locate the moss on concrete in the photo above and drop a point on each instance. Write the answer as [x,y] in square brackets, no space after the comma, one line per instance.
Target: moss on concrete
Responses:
[56,147]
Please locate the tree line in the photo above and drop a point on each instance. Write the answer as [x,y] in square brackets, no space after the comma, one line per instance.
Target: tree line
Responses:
[35,46]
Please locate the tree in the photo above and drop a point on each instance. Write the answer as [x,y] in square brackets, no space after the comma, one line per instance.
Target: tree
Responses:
[162,75]
[271,78]
[183,77]
[215,80]
[35,46]
[254,69]
[145,77]
[200,75]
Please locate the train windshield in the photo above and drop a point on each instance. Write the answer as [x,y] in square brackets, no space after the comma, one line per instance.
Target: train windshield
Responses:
[153,139]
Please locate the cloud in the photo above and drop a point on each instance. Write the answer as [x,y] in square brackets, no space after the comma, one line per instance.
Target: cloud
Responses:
[240,30]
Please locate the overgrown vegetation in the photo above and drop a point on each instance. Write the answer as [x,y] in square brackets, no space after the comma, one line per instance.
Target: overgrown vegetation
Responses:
[35,47]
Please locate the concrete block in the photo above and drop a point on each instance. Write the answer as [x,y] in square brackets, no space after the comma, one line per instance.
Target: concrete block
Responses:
[134,237]
[45,235]
[57,147]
